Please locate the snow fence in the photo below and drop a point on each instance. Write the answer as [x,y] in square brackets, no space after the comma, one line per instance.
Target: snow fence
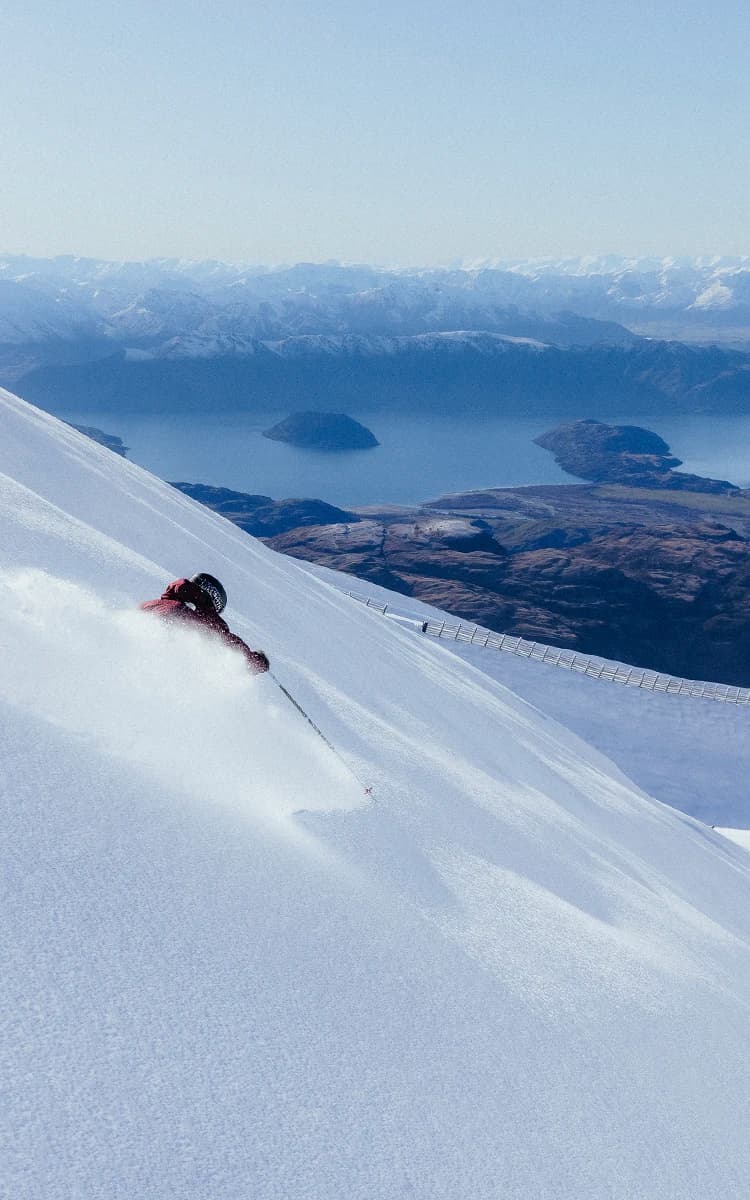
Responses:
[570,660]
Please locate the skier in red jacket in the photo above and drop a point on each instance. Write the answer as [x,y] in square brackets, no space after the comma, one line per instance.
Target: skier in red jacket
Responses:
[207,597]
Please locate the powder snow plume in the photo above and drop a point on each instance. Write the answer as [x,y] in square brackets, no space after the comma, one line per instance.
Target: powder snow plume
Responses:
[171,702]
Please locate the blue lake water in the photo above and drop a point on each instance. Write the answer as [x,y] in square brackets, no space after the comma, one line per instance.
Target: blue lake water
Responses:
[418,458]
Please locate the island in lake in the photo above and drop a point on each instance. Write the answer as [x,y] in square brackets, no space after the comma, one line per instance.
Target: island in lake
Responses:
[624,454]
[323,431]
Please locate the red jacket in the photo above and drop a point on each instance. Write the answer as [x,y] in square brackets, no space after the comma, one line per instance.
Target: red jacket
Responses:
[173,606]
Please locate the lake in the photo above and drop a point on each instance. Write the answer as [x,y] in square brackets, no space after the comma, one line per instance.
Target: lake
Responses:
[418,458]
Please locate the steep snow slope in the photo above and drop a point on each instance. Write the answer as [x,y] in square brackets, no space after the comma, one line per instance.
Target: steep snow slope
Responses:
[689,753]
[228,973]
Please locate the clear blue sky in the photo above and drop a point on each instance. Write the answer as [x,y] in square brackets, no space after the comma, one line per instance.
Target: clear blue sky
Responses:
[411,133]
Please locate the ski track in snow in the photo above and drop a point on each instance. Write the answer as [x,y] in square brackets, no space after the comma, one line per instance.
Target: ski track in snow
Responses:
[512,974]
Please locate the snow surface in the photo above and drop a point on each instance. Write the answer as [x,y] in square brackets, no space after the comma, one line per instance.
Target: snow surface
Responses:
[229,973]
[740,836]
[456,341]
[691,754]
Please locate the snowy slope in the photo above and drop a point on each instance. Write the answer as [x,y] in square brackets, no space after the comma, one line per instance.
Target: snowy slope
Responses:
[740,836]
[692,754]
[228,973]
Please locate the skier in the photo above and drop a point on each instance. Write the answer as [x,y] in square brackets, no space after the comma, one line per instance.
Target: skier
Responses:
[207,597]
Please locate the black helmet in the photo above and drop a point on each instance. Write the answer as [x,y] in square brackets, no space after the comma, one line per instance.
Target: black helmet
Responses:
[214,592]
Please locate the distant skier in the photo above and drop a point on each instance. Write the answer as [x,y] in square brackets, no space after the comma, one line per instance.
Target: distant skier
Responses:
[207,597]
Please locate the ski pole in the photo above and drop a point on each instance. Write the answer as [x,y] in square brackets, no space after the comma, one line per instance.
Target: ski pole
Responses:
[329,744]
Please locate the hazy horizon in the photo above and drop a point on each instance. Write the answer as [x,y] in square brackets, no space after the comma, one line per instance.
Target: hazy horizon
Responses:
[428,135]
[475,262]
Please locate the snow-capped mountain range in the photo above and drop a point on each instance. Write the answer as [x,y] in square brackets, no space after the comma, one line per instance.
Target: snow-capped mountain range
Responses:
[200,308]
[230,972]
[210,309]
